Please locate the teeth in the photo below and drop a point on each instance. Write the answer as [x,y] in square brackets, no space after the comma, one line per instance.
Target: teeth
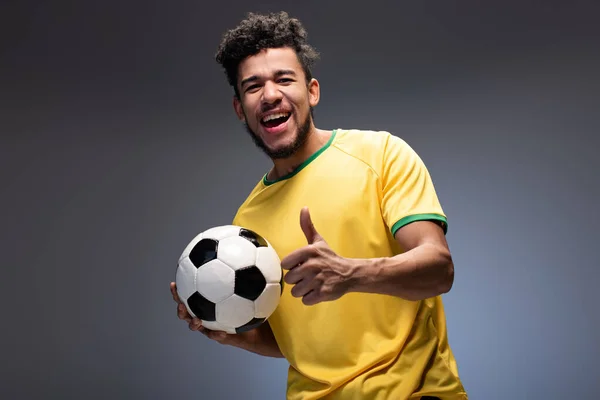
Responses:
[274,116]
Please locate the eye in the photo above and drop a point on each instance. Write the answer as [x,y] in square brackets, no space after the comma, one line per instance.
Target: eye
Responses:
[252,88]
[285,80]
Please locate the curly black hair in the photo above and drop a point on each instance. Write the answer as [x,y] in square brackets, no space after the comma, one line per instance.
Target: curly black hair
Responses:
[267,31]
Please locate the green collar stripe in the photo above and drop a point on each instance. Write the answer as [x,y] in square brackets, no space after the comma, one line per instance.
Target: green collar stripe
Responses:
[310,159]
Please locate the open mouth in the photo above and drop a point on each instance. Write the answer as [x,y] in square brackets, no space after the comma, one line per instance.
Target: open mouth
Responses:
[275,120]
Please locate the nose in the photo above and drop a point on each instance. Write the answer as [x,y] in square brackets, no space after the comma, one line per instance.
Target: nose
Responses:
[271,93]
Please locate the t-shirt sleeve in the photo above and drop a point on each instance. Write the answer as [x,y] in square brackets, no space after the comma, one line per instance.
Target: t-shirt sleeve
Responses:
[408,193]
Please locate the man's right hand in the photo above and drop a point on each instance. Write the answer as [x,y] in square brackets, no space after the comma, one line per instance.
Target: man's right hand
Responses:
[259,340]
[195,324]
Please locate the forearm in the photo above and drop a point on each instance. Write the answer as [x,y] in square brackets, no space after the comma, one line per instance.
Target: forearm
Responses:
[260,341]
[423,272]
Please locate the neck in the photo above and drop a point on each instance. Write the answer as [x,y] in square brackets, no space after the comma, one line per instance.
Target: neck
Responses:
[315,140]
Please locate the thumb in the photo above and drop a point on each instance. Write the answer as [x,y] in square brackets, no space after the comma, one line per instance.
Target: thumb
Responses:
[308,227]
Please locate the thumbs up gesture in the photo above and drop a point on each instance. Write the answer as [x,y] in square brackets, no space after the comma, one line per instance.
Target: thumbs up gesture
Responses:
[316,272]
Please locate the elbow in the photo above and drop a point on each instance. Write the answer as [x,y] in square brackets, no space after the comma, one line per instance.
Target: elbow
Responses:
[447,274]
[448,279]
[441,278]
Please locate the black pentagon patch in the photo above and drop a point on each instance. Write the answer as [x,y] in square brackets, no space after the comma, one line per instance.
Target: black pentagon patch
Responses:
[281,283]
[255,323]
[249,283]
[253,237]
[204,251]
[202,307]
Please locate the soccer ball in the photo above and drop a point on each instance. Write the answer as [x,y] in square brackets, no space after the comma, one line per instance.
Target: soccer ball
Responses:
[230,278]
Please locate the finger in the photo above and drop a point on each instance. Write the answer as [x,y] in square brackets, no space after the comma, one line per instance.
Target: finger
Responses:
[303,271]
[296,258]
[303,287]
[195,324]
[311,298]
[183,314]
[174,292]
[295,275]
[308,227]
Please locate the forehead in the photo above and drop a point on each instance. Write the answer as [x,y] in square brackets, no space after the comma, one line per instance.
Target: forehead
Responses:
[268,61]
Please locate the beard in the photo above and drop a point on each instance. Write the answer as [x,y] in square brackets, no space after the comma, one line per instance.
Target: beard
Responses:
[286,151]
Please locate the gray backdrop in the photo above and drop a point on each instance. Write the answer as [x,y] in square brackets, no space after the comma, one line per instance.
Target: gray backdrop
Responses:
[119,144]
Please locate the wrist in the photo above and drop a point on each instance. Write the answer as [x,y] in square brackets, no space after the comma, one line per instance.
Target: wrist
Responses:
[364,273]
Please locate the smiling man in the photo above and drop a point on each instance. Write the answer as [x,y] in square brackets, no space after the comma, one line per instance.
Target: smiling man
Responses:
[277,100]
[356,220]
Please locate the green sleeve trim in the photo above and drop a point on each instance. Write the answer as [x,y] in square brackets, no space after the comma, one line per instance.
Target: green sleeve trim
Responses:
[421,217]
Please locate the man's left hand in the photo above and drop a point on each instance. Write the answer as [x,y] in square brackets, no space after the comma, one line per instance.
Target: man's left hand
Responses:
[316,271]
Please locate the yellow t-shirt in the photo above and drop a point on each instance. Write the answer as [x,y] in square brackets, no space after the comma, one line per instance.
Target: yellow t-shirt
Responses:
[360,188]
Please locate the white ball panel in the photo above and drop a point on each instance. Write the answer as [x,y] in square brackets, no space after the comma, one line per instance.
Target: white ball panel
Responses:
[190,246]
[221,232]
[215,326]
[268,301]
[234,311]
[215,281]
[236,252]
[185,278]
[269,264]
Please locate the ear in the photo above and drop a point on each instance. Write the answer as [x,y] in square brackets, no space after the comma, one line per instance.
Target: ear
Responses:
[314,92]
[237,106]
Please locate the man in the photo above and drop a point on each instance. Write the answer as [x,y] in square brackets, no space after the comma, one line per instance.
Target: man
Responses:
[356,221]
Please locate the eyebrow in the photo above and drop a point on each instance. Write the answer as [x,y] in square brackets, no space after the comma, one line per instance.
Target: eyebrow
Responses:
[278,73]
